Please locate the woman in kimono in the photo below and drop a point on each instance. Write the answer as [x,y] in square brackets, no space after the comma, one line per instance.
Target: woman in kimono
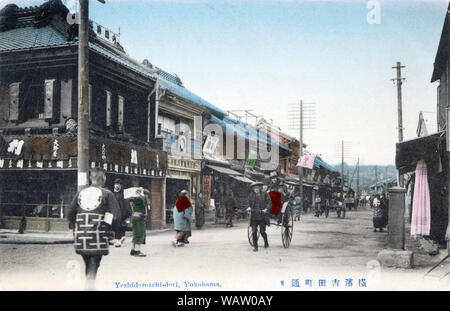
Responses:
[379,214]
[182,216]
[139,214]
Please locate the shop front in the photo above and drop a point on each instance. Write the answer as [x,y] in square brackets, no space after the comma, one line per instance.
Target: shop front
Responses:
[182,174]
[218,181]
[38,177]
[427,157]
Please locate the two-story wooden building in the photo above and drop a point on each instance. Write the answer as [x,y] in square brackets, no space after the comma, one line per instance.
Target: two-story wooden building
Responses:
[432,148]
[130,123]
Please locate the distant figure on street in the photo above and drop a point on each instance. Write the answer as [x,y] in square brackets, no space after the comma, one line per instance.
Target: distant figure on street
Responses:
[379,213]
[306,203]
[199,211]
[372,197]
[260,204]
[384,198]
[125,212]
[350,202]
[182,216]
[318,206]
[91,213]
[230,209]
[297,201]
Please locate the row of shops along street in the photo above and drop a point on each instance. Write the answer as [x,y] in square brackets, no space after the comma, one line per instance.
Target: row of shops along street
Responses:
[142,126]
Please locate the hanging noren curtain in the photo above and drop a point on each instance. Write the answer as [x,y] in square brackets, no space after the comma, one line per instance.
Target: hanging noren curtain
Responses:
[421,214]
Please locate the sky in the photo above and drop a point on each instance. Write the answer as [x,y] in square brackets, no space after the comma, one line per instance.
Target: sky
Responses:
[266,55]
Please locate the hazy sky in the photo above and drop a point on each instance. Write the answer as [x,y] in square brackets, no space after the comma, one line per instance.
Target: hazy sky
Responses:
[264,55]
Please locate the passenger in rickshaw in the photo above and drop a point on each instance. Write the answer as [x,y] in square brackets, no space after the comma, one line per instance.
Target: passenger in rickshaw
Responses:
[277,191]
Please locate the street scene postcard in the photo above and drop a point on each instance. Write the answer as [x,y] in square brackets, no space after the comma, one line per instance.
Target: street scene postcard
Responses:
[217,146]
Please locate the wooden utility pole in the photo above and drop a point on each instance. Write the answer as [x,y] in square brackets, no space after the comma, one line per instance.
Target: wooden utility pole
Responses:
[301,117]
[357,179]
[83,95]
[300,152]
[399,81]
[342,171]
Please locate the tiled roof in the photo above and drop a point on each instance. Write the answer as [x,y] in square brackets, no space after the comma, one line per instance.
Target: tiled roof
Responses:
[166,82]
[319,163]
[28,37]
[246,131]
[25,36]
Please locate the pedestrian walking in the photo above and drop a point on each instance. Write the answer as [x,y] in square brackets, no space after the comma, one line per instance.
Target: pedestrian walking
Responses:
[125,213]
[306,203]
[260,204]
[317,206]
[182,216]
[199,211]
[384,198]
[379,214]
[230,209]
[91,213]
[297,202]
[139,211]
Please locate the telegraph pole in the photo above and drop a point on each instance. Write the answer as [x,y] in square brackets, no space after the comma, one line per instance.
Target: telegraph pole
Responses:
[83,94]
[300,152]
[342,171]
[357,179]
[301,117]
[399,81]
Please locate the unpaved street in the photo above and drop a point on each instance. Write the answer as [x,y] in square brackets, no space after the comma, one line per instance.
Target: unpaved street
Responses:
[333,252]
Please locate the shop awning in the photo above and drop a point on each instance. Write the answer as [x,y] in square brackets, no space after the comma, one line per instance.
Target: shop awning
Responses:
[243,179]
[319,163]
[409,152]
[223,170]
[294,181]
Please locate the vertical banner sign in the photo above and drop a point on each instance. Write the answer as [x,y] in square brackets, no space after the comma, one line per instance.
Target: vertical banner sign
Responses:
[120,112]
[14,90]
[108,108]
[448,129]
[49,96]
[207,179]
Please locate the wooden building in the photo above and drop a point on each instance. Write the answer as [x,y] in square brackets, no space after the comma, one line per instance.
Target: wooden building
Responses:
[432,148]
[38,112]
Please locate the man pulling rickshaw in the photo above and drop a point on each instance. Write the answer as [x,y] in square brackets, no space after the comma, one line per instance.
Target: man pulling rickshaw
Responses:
[262,206]
[259,205]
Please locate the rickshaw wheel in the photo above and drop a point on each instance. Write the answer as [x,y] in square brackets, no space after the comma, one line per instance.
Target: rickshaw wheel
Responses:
[287,227]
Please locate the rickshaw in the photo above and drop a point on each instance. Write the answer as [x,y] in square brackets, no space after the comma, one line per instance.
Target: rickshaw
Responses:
[285,221]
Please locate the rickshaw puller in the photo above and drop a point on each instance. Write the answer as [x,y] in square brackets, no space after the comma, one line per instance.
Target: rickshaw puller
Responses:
[259,205]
